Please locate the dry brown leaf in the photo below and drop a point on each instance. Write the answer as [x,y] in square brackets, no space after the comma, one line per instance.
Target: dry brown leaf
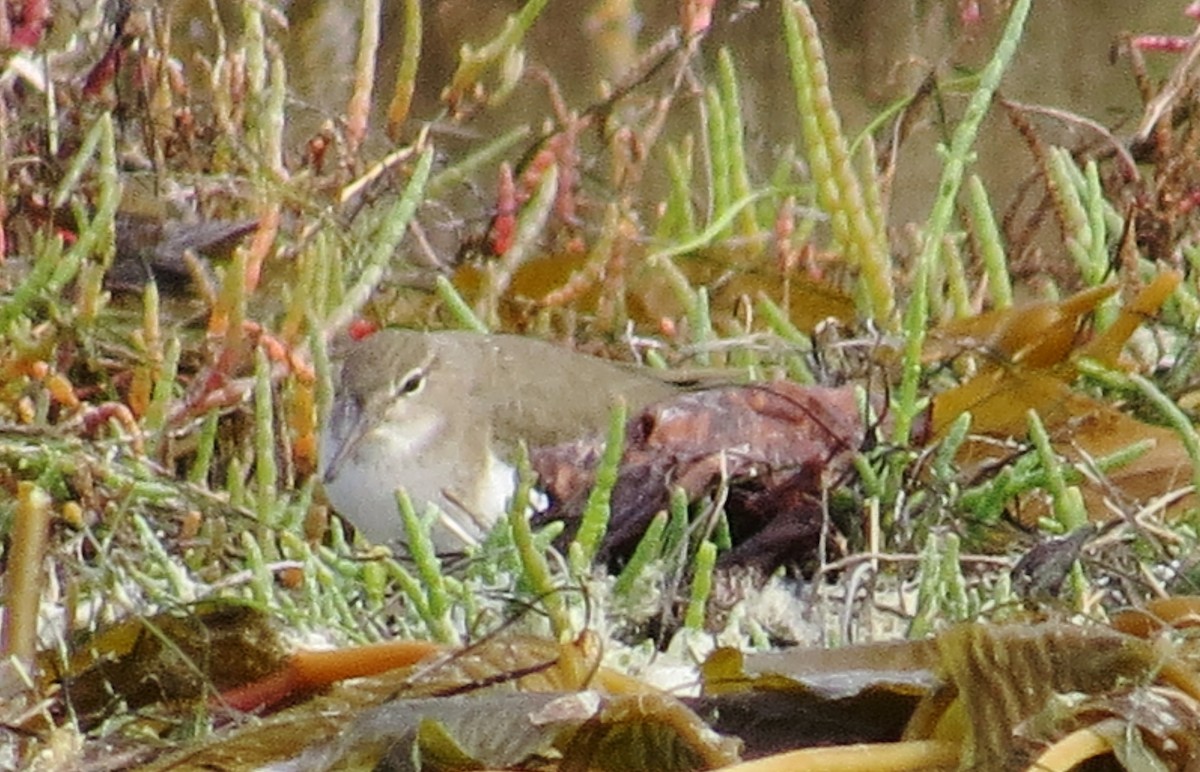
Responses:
[1029,370]
[178,659]
[777,445]
[1040,334]
[999,693]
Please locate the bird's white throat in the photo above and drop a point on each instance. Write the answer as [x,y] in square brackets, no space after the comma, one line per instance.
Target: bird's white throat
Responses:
[361,471]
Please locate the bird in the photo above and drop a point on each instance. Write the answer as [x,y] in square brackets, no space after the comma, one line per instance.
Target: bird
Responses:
[441,415]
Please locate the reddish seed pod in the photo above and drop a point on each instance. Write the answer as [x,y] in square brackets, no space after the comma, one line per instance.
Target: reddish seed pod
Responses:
[361,328]
[1166,44]
[504,224]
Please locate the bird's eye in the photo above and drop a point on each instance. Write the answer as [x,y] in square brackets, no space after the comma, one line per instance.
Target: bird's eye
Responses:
[411,383]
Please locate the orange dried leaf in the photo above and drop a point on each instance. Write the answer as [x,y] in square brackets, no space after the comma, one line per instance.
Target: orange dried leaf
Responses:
[308,671]
[1032,345]
[61,391]
[1106,347]
[1041,334]
[1081,428]
[1180,611]
[1000,399]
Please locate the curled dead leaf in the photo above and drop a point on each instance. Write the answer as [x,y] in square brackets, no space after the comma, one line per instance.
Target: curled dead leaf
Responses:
[1028,367]
[777,446]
